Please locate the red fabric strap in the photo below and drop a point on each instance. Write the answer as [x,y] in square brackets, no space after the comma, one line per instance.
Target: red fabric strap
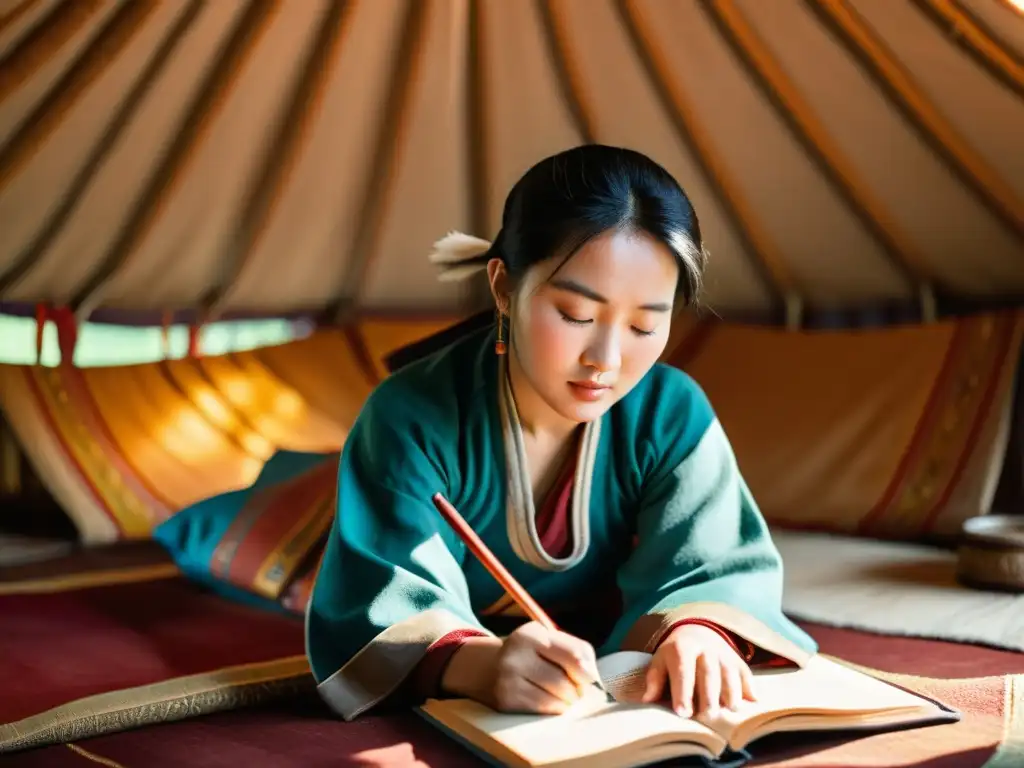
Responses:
[425,680]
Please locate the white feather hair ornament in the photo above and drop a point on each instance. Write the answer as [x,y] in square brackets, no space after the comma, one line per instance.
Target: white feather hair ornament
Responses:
[455,253]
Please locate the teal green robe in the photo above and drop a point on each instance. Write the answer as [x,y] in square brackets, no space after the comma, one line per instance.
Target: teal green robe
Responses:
[660,514]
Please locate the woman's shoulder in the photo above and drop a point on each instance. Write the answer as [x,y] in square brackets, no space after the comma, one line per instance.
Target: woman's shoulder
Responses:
[428,393]
[667,409]
[664,380]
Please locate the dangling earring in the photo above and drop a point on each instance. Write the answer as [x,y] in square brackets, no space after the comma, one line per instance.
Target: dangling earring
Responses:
[499,344]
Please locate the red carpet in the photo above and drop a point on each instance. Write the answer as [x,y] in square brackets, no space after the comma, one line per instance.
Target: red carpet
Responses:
[64,646]
[64,641]
[170,628]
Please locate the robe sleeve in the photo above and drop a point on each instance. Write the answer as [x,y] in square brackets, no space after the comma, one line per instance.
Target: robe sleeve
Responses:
[703,548]
[391,584]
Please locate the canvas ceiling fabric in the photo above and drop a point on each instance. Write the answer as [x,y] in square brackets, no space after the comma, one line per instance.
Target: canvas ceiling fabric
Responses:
[273,156]
[896,433]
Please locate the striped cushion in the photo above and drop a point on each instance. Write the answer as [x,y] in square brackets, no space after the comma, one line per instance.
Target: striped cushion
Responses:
[254,540]
[296,597]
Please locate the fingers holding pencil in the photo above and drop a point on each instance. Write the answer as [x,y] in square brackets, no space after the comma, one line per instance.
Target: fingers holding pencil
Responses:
[542,670]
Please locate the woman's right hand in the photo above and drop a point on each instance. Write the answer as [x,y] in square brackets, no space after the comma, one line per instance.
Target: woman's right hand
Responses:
[542,671]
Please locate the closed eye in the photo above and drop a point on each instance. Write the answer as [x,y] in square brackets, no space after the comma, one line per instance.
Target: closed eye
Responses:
[573,320]
[577,321]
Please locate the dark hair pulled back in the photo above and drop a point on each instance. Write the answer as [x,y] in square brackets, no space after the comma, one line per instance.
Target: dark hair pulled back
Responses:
[566,200]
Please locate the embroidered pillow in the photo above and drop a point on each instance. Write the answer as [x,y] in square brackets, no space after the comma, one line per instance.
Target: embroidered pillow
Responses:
[249,544]
[296,596]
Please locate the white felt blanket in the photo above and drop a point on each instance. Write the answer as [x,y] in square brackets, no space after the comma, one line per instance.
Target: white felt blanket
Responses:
[892,588]
[21,550]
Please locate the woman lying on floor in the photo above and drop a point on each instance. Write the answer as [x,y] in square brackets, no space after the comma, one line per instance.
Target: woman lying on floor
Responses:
[598,476]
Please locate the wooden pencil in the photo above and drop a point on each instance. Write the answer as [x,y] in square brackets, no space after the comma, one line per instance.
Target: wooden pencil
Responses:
[492,564]
[487,558]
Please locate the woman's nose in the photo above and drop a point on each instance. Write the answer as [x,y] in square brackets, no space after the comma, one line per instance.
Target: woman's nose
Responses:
[604,352]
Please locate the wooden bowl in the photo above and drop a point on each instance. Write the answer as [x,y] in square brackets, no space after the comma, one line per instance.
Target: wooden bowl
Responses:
[991,553]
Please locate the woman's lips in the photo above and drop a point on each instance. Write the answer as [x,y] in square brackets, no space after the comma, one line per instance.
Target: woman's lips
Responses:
[588,391]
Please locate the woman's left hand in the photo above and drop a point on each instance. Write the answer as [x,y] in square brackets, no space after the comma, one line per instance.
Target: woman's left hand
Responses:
[702,669]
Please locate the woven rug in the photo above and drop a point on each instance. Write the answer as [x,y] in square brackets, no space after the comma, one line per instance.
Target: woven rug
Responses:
[302,735]
[991,733]
[294,730]
[124,662]
[133,652]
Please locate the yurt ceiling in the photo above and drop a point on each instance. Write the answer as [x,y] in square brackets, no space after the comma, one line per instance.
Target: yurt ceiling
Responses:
[250,156]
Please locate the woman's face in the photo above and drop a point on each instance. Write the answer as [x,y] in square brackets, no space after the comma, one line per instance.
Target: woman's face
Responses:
[585,331]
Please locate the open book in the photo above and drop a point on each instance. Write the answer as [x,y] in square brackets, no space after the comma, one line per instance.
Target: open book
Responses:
[821,695]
